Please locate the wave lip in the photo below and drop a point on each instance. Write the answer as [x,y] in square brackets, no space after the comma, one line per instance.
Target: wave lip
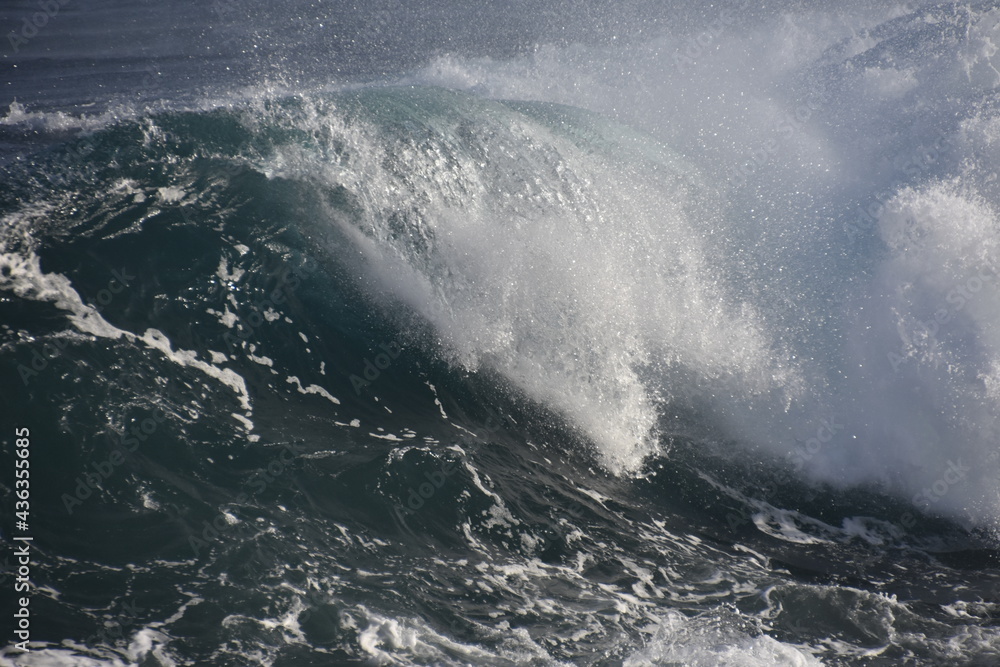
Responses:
[544,243]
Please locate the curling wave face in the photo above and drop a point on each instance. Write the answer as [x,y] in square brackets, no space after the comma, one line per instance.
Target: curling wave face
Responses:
[689,372]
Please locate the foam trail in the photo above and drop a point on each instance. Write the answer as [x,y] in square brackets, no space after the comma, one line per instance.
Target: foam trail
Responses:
[22,275]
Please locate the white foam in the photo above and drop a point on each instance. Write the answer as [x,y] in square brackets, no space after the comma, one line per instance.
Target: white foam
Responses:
[262,360]
[437,401]
[789,298]
[145,643]
[49,121]
[171,194]
[225,275]
[148,642]
[792,526]
[705,641]
[247,423]
[312,389]
[403,641]
[155,338]
[42,656]
[559,284]
[920,405]
[22,275]
[386,436]
[217,357]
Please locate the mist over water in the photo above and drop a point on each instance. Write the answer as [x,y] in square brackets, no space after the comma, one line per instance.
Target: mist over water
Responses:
[528,333]
[842,204]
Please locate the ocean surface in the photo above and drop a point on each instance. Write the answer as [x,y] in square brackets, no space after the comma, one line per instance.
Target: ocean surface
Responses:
[511,333]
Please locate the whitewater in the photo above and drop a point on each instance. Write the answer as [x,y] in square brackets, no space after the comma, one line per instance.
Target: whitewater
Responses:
[631,335]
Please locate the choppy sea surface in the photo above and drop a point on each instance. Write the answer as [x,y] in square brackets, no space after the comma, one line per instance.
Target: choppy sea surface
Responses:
[533,333]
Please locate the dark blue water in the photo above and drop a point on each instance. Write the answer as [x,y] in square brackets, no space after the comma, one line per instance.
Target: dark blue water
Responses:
[531,333]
